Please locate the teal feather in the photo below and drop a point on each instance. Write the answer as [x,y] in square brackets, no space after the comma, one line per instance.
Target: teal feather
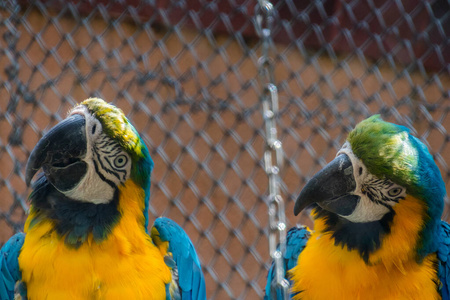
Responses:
[296,240]
[9,266]
[191,282]
[141,175]
[443,255]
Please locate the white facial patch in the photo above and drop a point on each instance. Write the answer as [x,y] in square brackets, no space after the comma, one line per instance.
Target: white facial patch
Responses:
[377,195]
[367,211]
[108,164]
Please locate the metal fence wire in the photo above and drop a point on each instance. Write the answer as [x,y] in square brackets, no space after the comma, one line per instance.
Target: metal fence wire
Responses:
[185,72]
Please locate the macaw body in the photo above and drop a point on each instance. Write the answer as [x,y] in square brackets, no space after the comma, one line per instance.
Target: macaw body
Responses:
[389,274]
[377,228]
[125,265]
[86,234]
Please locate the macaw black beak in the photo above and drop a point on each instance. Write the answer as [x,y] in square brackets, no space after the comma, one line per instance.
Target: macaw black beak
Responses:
[331,188]
[59,153]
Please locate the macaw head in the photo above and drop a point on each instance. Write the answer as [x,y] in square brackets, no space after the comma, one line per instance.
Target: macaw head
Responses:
[91,153]
[380,166]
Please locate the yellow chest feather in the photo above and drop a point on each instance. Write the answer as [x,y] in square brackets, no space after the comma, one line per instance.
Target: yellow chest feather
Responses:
[124,266]
[326,271]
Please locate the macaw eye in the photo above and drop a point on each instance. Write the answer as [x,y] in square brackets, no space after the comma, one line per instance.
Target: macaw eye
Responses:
[394,191]
[120,161]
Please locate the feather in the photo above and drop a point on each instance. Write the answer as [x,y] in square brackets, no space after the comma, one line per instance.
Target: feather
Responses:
[296,240]
[173,241]
[9,265]
[443,255]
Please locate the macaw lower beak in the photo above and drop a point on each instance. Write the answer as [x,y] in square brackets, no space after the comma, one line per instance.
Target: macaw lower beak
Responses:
[59,152]
[331,188]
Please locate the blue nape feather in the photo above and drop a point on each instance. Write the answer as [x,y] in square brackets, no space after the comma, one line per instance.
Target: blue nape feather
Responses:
[295,243]
[190,277]
[9,265]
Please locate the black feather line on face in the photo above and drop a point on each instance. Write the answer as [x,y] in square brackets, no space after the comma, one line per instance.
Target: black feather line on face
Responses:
[366,238]
[373,191]
[107,155]
[101,175]
[73,220]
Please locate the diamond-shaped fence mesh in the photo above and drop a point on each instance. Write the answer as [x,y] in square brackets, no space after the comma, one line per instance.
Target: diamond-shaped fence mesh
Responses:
[186,74]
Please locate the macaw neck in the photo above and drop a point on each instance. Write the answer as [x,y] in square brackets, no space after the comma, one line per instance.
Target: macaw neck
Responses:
[76,221]
[391,240]
[133,205]
[391,271]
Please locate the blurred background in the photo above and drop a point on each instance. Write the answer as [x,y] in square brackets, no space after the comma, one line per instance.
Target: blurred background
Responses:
[185,72]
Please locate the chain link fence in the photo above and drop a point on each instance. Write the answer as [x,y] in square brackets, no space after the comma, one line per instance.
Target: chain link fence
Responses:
[186,73]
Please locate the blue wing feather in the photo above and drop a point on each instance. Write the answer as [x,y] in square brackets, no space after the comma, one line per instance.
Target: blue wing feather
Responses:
[295,243]
[9,265]
[443,255]
[190,277]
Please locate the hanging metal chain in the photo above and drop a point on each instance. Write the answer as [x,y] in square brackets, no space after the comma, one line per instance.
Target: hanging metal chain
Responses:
[273,156]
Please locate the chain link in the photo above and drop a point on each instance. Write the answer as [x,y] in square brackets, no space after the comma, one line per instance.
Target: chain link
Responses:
[273,156]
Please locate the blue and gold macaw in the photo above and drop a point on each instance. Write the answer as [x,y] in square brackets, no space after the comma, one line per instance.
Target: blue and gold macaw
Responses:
[86,235]
[377,227]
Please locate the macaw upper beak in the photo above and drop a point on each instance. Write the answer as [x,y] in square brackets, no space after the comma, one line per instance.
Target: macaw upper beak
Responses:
[59,153]
[331,188]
